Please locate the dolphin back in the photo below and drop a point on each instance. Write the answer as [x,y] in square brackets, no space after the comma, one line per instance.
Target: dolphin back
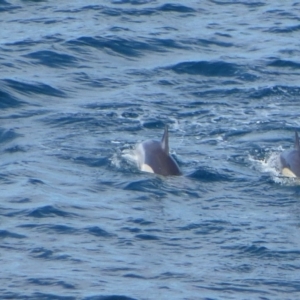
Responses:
[290,160]
[155,157]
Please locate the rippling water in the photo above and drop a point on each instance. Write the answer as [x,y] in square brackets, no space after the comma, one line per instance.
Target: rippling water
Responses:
[81,82]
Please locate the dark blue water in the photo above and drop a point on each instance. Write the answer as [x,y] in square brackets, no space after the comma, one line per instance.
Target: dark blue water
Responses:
[82,81]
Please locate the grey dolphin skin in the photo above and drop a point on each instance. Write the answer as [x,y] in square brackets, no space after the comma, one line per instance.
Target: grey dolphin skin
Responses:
[290,160]
[154,157]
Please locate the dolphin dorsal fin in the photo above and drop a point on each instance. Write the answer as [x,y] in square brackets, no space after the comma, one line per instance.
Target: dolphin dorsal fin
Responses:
[297,145]
[165,141]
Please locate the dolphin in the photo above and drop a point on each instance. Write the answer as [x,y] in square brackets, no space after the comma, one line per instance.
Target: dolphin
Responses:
[154,157]
[290,160]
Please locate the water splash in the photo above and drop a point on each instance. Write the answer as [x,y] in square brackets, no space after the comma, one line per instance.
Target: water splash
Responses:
[271,165]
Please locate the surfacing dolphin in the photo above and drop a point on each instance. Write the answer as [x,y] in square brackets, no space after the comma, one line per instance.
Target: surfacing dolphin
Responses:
[154,157]
[290,160]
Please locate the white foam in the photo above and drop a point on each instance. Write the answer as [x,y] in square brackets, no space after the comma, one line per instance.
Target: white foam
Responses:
[271,164]
[131,156]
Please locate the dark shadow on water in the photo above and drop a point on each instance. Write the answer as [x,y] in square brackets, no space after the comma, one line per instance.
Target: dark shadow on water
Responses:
[152,186]
[209,175]
[48,211]
[7,100]
[52,59]
[7,135]
[112,297]
[34,88]
[206,68]
[34,296]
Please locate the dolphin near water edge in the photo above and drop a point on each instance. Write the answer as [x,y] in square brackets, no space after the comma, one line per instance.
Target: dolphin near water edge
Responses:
[154,157]
[290,160]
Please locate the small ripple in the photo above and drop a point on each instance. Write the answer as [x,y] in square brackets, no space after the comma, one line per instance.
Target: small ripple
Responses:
[15,149]
[147,237]
[140,221]
[69,119]
[35,181]
[217,94]
[205,227]
[288,286]
[60,229]
[277,90]
[206,68]
[5,6]
[147,185]
[87,79]
[168,7]
[44,253]
[91,162]
[48,211]
[288,29]
[246,3]
[110,297]
[7,100]
[207,42]
[175,8]
[165,8]
[87,161]
[205,174]
[128,47]
[43,296]
[50,282]
[265,253]
[97,231]
[34,88]
[118,45]
[52,59]
[21,200]
[154,124]
[135,276]
[254,250]
[7,179]
[171,275]
[108,106]
[7,135]
[34,296]
[41,253]
[81,9]
[131,229]
[284,64]
[64,229]
[8,234]
[243,268]
[25,114]
[235,287]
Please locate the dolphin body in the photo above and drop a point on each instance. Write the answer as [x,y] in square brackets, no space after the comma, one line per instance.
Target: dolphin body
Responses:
[290,160]
[154,157]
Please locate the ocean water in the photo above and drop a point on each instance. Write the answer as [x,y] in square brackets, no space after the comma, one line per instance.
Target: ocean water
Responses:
[83,81]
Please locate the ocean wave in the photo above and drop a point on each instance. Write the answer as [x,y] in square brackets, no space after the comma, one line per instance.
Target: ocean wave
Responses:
[38,88]
[48,211]
[52,59]
[284,64]
[206,68]
[7,135]
[109,297]
[7,100]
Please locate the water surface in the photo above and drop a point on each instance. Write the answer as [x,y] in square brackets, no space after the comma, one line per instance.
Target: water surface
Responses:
[83,81]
